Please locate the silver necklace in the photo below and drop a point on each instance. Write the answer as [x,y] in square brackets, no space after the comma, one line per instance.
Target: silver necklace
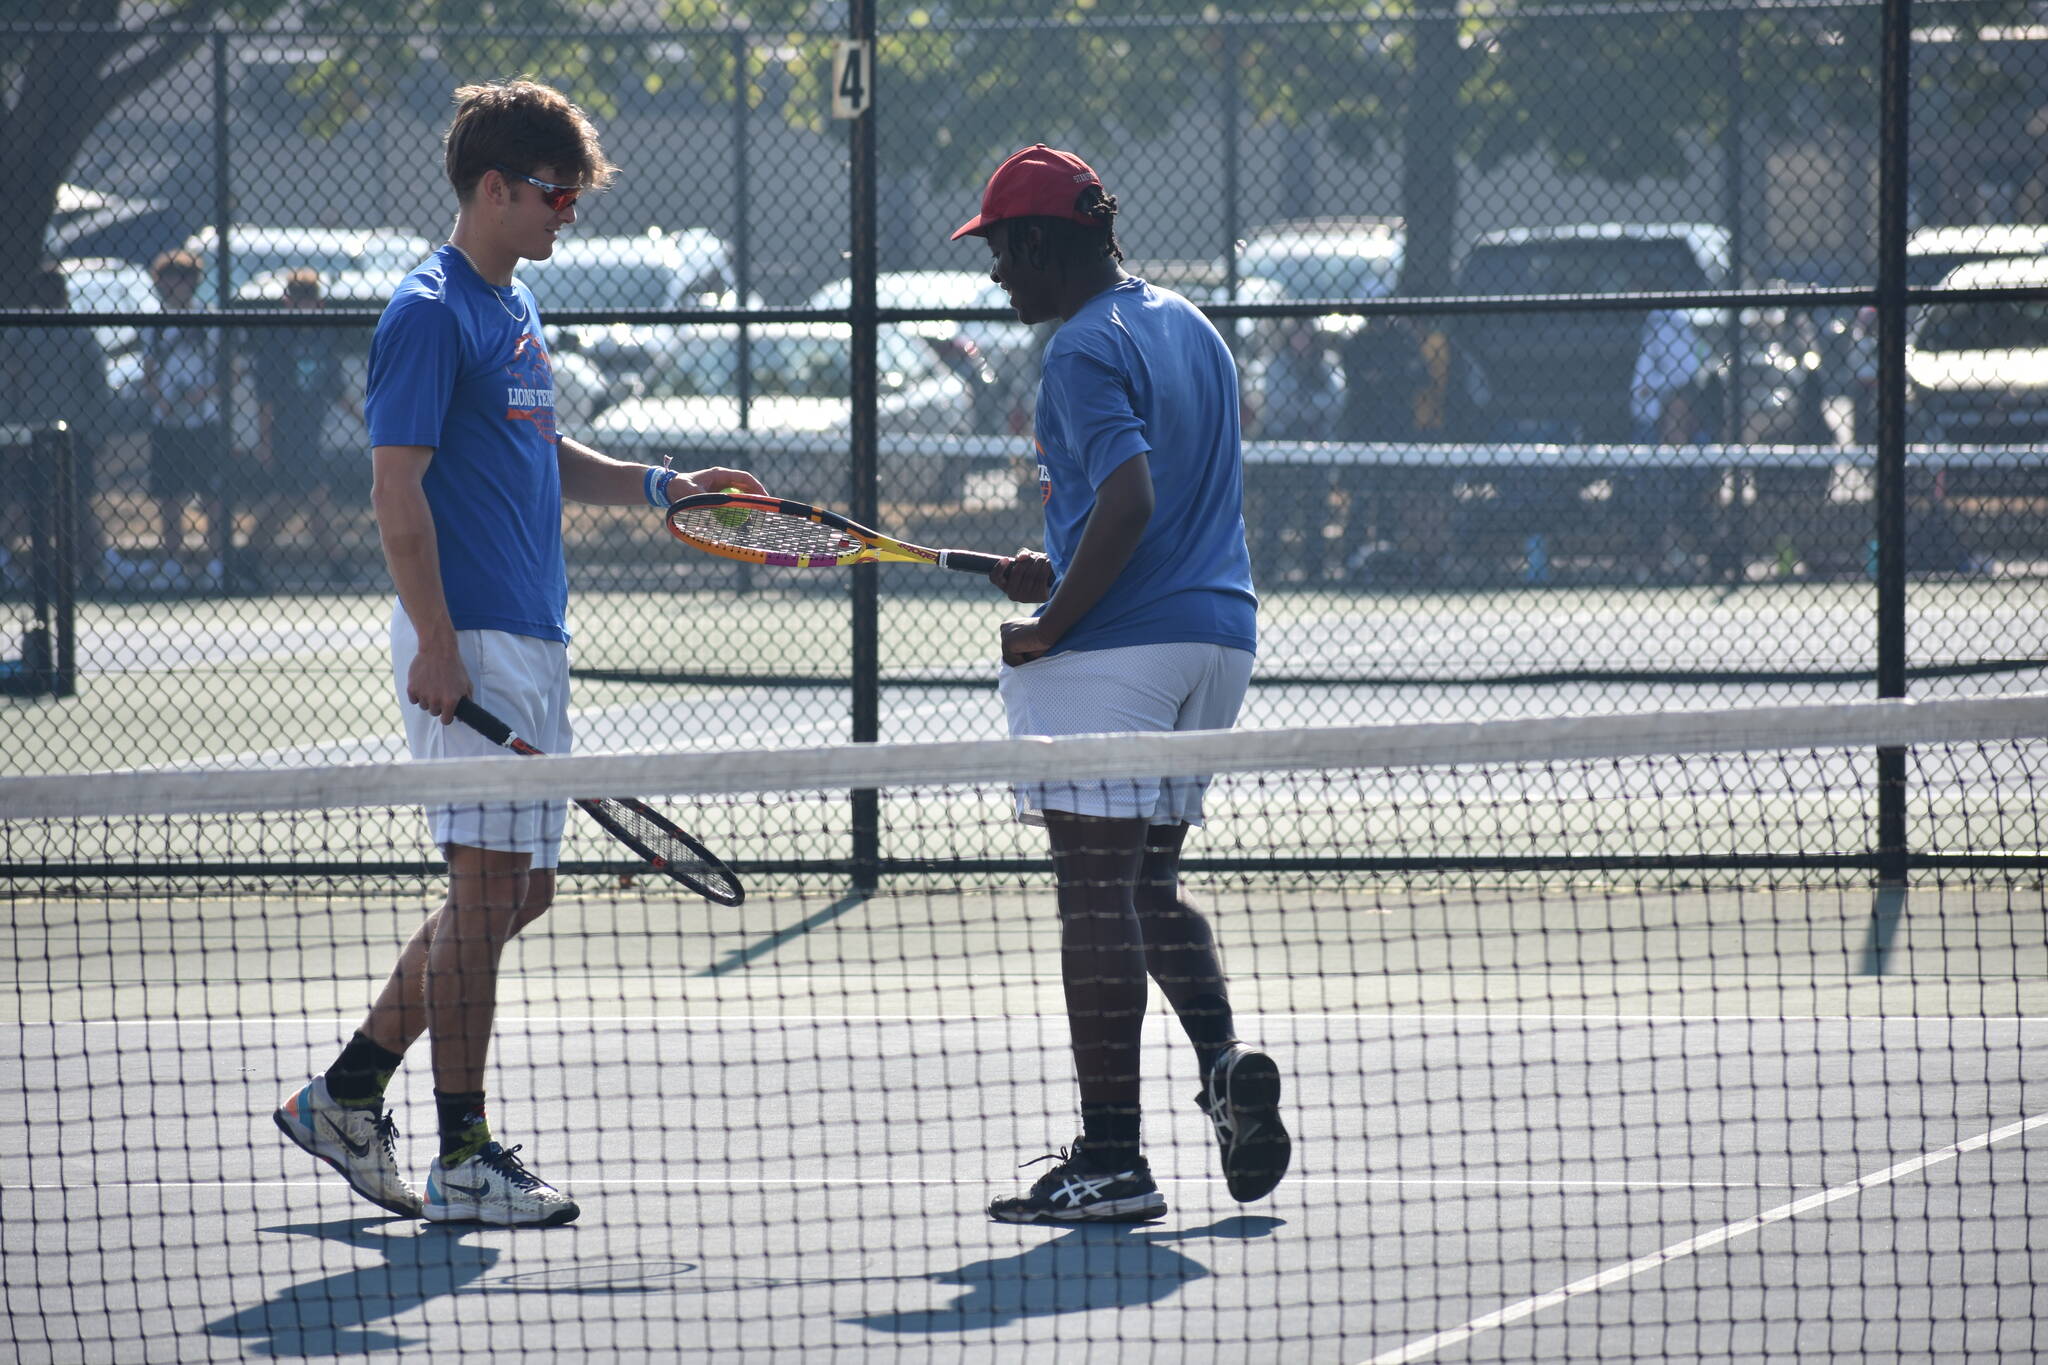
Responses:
[518,317]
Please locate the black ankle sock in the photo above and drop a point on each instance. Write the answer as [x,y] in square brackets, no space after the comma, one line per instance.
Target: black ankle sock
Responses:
[1207,1022]
[359,1075]
[464,1130]
[1109,1133]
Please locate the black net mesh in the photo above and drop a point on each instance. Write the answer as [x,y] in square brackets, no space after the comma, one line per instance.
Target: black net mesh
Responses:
[1625,1041]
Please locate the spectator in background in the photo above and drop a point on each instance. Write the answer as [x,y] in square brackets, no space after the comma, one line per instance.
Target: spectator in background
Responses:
[188,456]
[1301,395]
[1384,372]
[1385,383]
[1452,403]
[49,375]
[1669,356]
[1304,393]
[298,384]
[1660,500]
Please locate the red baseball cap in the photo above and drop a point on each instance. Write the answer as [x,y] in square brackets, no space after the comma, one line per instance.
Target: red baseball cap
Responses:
[1037,182]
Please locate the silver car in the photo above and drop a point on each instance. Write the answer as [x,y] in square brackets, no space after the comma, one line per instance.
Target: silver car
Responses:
[788,408]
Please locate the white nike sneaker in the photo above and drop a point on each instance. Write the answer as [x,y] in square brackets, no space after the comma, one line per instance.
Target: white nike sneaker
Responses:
[360,1143]
[494,1187]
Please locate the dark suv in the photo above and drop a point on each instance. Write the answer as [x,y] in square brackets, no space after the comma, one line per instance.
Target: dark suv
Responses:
[1566,376]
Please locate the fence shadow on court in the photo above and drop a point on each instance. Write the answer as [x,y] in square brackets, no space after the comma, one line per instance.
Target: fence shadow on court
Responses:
[1079,1271]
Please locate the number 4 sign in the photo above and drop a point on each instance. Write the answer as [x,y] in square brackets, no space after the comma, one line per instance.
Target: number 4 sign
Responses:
[852,80]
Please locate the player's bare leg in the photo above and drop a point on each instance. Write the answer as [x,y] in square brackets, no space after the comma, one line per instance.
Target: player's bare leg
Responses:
[1104,1178]
[340,1117]
[1240,1084]
[491,896]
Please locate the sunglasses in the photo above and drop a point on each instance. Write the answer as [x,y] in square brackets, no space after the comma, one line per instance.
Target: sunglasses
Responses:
[556,197]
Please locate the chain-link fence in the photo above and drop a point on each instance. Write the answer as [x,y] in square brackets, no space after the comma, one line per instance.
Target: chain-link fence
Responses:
[1581,367]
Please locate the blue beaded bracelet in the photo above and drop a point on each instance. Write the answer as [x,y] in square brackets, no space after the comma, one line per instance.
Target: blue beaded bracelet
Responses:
[654,484]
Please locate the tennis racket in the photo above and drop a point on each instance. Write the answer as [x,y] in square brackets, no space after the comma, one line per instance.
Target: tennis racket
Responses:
[633,823]
[796,535]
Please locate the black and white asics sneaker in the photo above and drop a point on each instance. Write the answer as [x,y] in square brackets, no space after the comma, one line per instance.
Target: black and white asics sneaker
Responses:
[1079,1189]
[1242,1098]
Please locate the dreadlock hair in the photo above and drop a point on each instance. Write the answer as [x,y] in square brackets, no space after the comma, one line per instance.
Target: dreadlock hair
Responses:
[1066,245]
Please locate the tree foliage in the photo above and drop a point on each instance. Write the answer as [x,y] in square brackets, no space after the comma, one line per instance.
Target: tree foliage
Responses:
[1612,88]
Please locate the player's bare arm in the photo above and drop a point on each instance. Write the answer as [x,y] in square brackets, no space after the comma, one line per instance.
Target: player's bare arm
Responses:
[590,476]
[1123,508]
[437,679]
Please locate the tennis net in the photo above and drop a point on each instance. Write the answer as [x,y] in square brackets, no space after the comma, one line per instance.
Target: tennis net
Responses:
[1654,1037]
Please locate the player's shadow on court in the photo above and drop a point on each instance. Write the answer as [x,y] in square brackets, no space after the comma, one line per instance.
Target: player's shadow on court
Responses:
[1078,1271]
[334,1316]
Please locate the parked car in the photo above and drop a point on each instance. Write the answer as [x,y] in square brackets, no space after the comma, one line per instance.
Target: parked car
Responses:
[95,224]
[997,361]
[797,382]
[1979,369]
[1932,252]
[1325,258]
[690,268]
[1567,376]
[382,253]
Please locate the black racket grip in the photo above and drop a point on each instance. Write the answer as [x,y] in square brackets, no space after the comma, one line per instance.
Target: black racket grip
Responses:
[969,561]
[483,722]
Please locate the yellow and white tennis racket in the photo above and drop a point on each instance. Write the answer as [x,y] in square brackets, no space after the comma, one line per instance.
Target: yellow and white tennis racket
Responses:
[796,535]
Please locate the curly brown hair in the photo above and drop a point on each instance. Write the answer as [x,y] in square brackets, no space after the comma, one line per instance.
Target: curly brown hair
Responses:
[518,125]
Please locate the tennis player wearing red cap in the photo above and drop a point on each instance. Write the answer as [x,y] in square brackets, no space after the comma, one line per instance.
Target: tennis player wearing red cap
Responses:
[1148,623]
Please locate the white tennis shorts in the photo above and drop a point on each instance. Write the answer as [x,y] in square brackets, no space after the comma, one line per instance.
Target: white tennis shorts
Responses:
[1182,686]
[523,682]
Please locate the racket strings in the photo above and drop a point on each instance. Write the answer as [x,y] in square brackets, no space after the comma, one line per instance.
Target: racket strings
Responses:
[772,532]
[657,839]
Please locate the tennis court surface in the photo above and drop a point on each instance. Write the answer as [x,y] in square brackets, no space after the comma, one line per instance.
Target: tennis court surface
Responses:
[1637,1038]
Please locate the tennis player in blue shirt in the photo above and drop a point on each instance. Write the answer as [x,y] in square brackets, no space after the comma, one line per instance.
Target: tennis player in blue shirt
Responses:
[469,478]
[1148,623]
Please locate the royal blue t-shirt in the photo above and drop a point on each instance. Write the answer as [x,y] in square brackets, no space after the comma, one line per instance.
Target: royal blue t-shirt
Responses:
[458,364]
[1139,370]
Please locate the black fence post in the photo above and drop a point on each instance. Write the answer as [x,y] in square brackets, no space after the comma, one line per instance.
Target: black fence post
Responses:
[49,640]
[1233,124]
[1895,138]
[223,339]
[56,449]
[1734,153]
[866,613]
[742,254]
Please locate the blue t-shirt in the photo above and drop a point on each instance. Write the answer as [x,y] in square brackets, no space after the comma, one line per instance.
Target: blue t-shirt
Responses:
[458,364]
[1139,370]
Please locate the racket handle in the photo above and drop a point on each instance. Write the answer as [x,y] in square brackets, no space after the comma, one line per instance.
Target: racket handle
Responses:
[968,561]
[482,721]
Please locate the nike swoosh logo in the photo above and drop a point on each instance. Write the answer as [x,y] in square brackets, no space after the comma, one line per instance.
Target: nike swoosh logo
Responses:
[355,1148]
[473,1191]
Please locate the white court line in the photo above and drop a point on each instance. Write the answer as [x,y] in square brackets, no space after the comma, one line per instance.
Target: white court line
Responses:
[1430,1345]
